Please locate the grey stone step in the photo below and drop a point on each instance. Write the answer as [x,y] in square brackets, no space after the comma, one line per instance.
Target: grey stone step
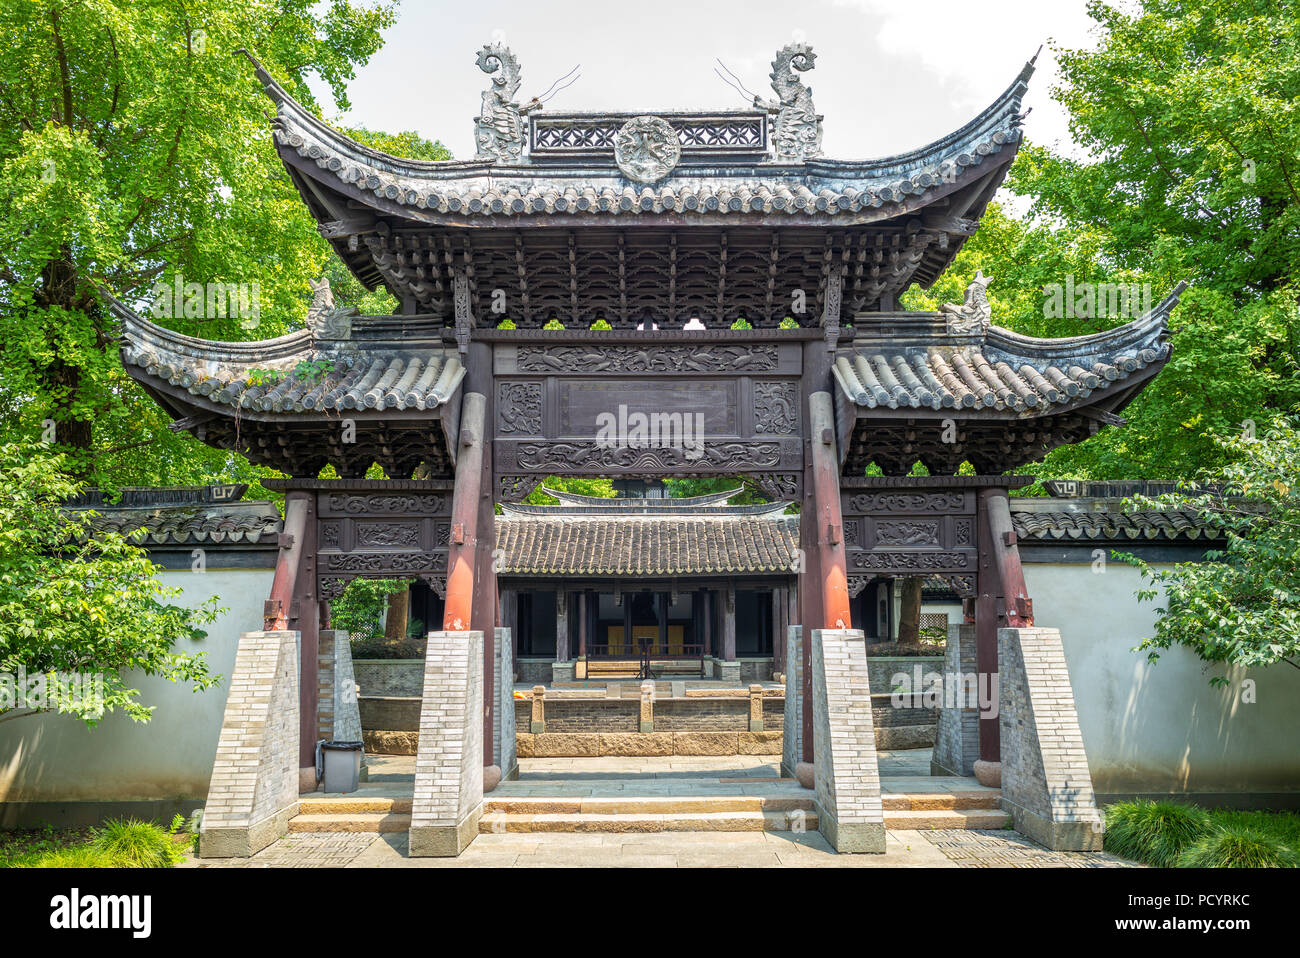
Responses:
[735,821]
[362,822]
[947,818]
[990,798]
[645,804]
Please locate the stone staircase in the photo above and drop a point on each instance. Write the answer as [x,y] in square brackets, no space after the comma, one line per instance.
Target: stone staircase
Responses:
[606,803]
[640,813]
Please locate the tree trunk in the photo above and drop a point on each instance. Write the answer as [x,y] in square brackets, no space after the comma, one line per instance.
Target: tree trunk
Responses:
[399,604]
[909,612]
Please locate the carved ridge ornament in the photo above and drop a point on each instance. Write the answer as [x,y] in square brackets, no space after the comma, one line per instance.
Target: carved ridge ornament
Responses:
[593,455]
[656,358]
[646,149]
[519,408]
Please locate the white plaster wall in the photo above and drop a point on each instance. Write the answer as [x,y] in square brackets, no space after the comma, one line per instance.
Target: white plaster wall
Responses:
[1162,728]
[56,758]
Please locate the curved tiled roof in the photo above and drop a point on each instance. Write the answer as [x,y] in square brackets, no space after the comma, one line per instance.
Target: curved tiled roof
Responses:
[646,545]
[357,376]
[248,523]
[1062,525]
[872,189]
[1000,370]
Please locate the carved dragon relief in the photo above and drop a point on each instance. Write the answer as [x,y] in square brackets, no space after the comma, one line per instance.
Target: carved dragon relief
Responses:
[798,128]
[499,129]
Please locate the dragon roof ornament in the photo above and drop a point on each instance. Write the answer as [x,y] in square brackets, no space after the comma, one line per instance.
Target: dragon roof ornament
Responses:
[798,132]
[499,128]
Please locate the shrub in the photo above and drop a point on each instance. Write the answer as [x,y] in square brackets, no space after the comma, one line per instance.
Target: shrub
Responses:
[1233,846]
[1153,832]
[136,844]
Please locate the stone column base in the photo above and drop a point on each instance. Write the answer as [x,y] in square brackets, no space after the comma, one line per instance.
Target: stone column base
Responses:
[726,671]
[241,842]
[854,839]
[562,671]
[445,841]
[1058,836]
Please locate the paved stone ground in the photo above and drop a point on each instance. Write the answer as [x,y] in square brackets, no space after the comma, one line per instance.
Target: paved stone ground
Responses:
[931,849]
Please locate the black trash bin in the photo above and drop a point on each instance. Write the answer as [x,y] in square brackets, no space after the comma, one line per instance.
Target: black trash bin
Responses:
[342,761]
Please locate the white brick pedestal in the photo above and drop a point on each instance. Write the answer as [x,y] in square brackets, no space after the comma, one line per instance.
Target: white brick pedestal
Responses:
[254,787]
[957,739]
[448,800]
[503,731]
[844,743]
[1046,785]
[792,730]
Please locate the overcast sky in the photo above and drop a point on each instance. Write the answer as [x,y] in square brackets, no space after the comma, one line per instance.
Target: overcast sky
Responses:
[891,75]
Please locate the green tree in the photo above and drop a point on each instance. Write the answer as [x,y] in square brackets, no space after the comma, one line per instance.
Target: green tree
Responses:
[1186,109]
[133,150]
[77,601]
[1242,608]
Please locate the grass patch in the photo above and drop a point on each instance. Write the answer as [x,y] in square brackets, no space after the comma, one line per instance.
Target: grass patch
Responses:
[1233,846]
[1153,832]
[117,844]
[1172,835]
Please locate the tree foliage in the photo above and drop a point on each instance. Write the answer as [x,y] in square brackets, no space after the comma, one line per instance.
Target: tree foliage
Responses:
[1242,608]
[72,603]
[1187,111]
[134,149]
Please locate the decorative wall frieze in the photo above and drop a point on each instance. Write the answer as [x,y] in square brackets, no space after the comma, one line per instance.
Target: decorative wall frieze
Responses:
[898,561]
[393,504]
[905,502]
[587,455]
[759,357]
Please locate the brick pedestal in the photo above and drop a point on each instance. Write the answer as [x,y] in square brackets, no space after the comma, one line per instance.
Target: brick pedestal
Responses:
[792,730]
[957,738]
[850,814]
[448,798]
[1046,785]
[503,734]
[254,787]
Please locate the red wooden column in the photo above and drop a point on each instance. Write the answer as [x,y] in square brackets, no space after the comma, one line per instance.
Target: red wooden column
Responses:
[824,586]
[1002,600]
[293,605]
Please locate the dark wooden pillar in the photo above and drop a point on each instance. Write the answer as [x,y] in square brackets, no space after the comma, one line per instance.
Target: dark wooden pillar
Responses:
[661,617]
[583,623]
[627,621]
[304,617]
[778,628]
[706,620]
[561,625]
[729,624]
